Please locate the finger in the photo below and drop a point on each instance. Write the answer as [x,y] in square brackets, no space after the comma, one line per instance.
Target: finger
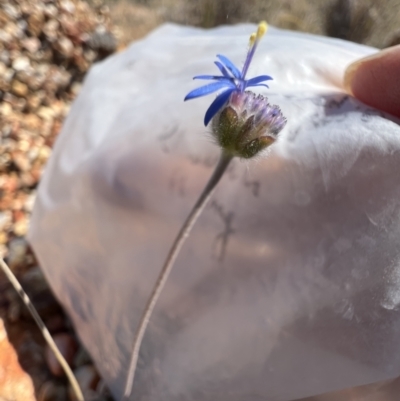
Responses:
[375,80]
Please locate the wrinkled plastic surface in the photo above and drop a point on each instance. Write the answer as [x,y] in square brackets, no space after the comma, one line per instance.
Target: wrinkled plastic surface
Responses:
[289,285]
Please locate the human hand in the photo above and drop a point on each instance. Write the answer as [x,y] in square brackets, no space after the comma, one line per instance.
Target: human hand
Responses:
[375,80]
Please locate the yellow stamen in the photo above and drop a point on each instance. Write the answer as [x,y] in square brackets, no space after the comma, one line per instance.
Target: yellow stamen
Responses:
[256,36]
[262,28]
[252,39]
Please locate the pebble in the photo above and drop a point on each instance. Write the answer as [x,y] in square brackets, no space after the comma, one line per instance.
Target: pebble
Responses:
[35,23]
[51,391]
[5,220]
[67,6]
[30,201]
[19,89]
[17,249]
[5,36]
[21,227]
[3,68]
[34,101]
[12,11]
[46,113]
[21,63]
[3,237]
[64,46]
[31,44]
[50,29]
[102,41]
[50,10]
[8,74]
[88,378]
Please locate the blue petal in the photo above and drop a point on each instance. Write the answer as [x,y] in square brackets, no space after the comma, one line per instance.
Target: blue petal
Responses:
[257,80]
[230,66]
[219,101]
[210,88]
[223,70]
[216,77]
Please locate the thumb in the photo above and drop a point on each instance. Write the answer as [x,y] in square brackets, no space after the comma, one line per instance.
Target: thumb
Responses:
[375,80]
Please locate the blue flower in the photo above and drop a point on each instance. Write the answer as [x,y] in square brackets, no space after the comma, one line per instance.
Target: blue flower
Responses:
[232,79]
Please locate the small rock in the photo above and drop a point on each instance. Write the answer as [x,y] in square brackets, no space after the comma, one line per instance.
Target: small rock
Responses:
[28,180]
[21,63]
[37,80]
[67,346]
[3,237]
[90,55]
[64,46]
[12,11]
[3,17]
[30,201]
[50,29]
[35,23]
[88,379]
[18,247]
[80,61]
[5,220]
[22,24]
[31,44]
[21,227]
[3,68]
[34,101]
[5,37]
[50,11]
[3,251]
[76,88]
[44,153]
[17,103]
[8,75]
[67,6]
[46,113]
[52,392]
[22,162]
[14,30]
[4,85]
[19,89]
[70,28]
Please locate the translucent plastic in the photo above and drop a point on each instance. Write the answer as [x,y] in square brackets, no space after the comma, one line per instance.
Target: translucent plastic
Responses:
[289,286]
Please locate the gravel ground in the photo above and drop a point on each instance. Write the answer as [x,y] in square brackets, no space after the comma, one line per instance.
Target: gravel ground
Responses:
[46,47]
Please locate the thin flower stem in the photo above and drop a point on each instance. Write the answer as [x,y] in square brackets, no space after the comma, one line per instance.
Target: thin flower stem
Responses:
[168,264]
[46,334]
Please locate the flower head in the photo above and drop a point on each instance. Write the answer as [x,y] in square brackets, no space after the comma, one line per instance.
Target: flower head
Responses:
[232,79]
[247,125]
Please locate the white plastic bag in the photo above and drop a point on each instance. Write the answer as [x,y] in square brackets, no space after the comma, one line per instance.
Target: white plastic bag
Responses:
[289,285]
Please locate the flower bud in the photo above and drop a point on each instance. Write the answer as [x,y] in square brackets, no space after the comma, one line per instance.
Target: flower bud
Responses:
[247,124]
